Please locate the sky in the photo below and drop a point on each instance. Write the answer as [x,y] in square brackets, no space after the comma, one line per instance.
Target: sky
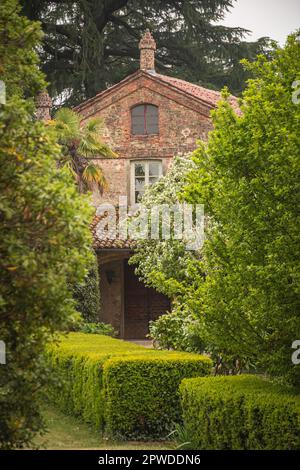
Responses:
[273,18]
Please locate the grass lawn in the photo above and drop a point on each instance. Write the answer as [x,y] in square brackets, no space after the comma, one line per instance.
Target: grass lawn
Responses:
[66,432]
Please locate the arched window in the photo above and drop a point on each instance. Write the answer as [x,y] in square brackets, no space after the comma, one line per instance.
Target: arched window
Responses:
[144,119]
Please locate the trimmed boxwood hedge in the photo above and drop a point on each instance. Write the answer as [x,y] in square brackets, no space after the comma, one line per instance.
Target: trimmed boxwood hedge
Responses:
[77,364]
[120,386]
[240,412]
[142,392]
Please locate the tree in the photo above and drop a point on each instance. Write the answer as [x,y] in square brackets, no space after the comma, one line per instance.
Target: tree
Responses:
[248,178]
[18,39]
[162,264]
[91,44]
[80,145]
[168,267]
[45,237]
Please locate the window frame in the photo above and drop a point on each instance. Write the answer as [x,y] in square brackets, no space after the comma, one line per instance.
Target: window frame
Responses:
[133,176]
[146,133]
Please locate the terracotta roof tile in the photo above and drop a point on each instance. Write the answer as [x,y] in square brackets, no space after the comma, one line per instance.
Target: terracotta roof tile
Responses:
[110,241]
[211,97]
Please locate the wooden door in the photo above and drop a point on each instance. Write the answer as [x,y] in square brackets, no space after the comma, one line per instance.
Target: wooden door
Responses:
[141,305]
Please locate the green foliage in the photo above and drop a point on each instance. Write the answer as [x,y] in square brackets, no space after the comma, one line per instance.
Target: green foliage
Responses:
[181,438]
[129,390]
[87,294]
[18,57]
[142,392]
[168,267]
[177,330]
[45,237]
[248,179]
[97,328]
[45,245]
[92,346]
[98,40]
[240,412]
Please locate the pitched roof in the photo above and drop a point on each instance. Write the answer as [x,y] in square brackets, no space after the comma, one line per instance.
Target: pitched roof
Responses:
[207,97]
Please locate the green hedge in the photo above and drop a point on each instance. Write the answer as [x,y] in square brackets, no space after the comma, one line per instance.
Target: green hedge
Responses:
[142,392]
[241,412]
[77,363]
[119,386]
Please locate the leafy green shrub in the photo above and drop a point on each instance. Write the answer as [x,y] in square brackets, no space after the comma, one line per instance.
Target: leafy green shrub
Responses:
[97,328]
[178,331]
[87,295]
[142,391]
[240,412]
[45,237]
[135,394]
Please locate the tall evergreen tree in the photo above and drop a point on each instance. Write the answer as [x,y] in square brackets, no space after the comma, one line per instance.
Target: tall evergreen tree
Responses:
[90,44]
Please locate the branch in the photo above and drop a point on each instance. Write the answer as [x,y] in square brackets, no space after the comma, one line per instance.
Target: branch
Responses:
[109,8]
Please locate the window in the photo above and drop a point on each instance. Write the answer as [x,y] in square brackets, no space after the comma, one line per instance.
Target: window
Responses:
[144,119]
[143,173]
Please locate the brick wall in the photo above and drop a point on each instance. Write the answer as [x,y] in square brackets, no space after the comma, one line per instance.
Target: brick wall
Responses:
[182,120]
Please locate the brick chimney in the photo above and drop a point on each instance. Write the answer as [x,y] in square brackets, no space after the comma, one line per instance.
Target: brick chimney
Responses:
[43,106]
[147,47]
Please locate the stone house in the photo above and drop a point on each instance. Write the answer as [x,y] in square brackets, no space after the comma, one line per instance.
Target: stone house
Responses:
[148,119]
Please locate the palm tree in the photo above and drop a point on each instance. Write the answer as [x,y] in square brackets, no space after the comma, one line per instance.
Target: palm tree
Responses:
[80,145]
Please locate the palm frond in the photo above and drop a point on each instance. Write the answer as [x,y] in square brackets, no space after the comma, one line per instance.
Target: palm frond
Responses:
[93,175]
[91,142]
[69,167]
[95,125]
[67,125]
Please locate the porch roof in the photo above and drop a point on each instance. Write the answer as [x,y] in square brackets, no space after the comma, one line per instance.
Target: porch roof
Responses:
[109,242]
